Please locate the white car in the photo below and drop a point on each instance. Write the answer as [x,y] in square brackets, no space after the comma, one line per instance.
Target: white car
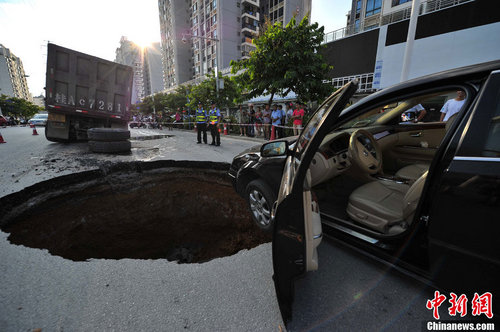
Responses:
[39,119]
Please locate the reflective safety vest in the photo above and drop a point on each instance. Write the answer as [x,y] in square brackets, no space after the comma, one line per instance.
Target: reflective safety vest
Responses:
[201,116]
[213,117]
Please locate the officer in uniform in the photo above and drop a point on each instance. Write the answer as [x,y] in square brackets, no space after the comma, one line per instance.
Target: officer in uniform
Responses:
[214,118]
[201,123]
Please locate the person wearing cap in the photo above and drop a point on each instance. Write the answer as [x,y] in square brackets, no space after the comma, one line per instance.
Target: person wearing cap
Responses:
[201,123]
[214,119]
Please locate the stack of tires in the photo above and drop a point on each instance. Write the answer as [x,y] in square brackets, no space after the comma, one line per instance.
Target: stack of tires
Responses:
[109,140]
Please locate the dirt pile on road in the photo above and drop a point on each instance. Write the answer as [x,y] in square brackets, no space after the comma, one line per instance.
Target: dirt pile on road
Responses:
[183,214]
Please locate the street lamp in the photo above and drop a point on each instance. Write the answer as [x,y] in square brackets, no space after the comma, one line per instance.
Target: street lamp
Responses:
[184,40]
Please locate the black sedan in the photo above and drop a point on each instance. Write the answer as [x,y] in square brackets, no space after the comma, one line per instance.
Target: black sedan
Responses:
[423,197]
[257,178]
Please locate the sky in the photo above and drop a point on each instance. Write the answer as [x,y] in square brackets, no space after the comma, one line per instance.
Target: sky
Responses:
[96,26]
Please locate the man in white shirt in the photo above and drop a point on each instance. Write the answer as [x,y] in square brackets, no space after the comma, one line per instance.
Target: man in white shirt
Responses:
[452,106]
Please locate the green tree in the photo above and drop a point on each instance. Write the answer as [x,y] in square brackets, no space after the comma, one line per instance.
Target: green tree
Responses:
[286,59]
[205,92]
[18,107]
[162,102]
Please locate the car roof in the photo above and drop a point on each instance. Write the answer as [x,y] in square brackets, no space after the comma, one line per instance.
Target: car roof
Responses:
[448,77]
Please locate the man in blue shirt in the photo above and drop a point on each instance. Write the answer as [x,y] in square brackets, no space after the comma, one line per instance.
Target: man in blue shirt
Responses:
[276,120]
[213,124]
[201,123]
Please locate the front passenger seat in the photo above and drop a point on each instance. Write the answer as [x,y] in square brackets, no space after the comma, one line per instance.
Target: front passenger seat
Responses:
[385,206]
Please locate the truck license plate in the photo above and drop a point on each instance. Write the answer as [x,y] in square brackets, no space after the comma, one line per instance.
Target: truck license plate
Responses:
[57,117]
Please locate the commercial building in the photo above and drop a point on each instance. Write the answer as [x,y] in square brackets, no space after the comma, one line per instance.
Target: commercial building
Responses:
[449,34]
[198,36]
[12,77]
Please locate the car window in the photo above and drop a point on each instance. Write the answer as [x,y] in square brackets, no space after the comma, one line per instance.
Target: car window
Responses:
[421,109]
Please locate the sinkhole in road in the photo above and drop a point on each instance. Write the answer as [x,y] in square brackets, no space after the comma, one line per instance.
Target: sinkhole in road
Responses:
[180,211]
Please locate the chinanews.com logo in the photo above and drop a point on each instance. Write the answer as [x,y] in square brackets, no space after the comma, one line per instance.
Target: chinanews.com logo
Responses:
[481,307]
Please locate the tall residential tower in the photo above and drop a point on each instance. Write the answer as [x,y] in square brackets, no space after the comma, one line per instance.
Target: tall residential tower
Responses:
[12,77]
[190,28]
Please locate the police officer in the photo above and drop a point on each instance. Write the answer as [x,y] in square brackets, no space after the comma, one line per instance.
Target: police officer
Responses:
[201,123]
[214,119]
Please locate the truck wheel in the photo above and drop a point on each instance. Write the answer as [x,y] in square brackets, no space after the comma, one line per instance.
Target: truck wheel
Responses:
[108,134]
[260,200]
[109,147]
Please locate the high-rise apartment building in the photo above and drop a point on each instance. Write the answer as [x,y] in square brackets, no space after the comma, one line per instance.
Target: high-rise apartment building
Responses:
[284,10]
[147,66]
[153,69]
[131,54]
[190,28]
[12,77]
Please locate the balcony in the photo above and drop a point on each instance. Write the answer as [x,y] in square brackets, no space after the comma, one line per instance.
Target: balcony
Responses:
[251,2]
[246,41]
[250,14]
[249,28]
[245,55]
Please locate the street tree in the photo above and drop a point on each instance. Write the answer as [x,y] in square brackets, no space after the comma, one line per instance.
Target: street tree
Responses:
[286,59]
[206,92]
[18,107]
[160,102]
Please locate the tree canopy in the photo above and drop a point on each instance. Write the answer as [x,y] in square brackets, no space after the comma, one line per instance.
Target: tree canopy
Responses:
[205,93]
[286,59]
[18,107]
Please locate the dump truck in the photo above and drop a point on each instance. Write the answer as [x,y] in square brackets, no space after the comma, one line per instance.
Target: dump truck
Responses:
[84,92]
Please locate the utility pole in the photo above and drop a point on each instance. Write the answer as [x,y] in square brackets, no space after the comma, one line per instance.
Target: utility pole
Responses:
[410,40]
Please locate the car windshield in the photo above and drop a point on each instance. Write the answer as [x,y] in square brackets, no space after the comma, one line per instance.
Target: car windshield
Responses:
[40,116]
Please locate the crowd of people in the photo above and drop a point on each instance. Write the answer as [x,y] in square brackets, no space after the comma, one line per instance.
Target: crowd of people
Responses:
[271,123]
[266,121]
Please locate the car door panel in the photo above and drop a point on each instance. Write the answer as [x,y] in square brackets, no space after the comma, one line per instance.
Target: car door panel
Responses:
[296,232]
[464,215]
[414,145]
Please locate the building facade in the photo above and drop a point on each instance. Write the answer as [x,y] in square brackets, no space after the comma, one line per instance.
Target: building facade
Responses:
[198,36]
[147,67]
[153,69]
[449,34]
[12,77]
[131,55]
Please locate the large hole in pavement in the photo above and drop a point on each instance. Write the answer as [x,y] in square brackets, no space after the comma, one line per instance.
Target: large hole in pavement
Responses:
[182,211]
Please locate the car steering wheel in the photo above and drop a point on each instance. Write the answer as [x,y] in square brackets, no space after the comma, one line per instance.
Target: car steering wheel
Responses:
[365,151]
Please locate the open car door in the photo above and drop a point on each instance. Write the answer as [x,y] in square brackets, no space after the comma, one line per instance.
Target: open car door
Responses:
[297,230]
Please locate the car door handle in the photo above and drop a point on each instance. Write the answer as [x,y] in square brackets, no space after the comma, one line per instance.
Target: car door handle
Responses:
[419,134]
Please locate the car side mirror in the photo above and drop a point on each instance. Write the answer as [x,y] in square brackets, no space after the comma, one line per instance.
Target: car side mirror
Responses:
[274,149]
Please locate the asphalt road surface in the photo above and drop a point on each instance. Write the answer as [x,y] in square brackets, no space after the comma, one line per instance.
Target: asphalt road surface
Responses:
[236,293]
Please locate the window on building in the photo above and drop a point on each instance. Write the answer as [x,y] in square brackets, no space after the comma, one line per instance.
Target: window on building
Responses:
[356,26]
[399,2]
[214,19]
[238,4]
[358,6]
[373,7]
[280,12]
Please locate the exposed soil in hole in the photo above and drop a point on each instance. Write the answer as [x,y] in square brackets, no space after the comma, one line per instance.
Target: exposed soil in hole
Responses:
[182,214]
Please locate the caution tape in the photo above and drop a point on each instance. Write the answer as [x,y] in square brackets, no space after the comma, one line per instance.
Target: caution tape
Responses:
[236,124]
